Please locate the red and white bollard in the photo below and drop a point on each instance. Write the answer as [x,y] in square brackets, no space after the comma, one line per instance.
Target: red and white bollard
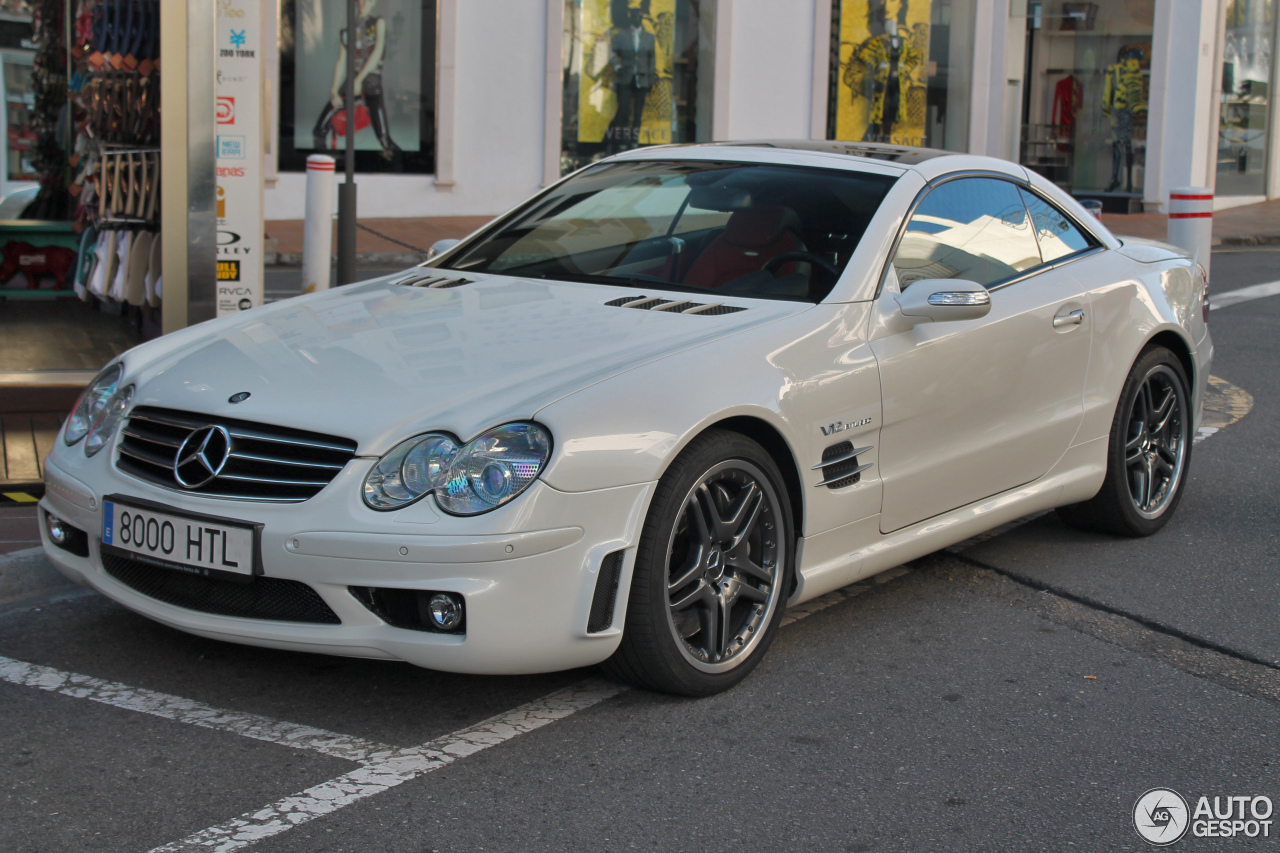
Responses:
[317,232]
[1191,222]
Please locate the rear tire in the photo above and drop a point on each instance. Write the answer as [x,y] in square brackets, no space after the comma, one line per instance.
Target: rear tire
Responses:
[713,571]
[1148,452]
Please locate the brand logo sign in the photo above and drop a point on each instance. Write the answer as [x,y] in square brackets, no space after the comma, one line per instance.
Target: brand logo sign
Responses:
[202,457]
[841,426]
[1160,816]
[231,171]
[230,147]
[228,270]
[226,113]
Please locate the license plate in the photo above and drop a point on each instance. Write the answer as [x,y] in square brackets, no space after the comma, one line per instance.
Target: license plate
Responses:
[189,542]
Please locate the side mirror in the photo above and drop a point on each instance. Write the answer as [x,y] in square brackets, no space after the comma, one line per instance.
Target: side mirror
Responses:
[937,300]
[439,247]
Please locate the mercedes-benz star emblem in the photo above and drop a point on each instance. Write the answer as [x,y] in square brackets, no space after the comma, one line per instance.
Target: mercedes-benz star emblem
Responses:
[238,398]
[202,456]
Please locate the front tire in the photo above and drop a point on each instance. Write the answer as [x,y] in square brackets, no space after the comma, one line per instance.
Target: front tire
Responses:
[1148,452]
[713,570]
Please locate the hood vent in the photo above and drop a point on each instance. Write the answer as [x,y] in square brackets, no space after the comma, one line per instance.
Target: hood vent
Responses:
[433,281]
[675,306]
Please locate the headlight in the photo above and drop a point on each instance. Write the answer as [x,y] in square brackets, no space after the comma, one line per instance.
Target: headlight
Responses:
[104,426]
[483,474]
[92,403]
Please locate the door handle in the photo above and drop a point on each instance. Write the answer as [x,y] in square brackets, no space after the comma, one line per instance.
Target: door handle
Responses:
[1071,318]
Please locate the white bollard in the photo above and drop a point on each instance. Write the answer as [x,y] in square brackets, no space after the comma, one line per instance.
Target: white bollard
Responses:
[317,233]
[1191,222]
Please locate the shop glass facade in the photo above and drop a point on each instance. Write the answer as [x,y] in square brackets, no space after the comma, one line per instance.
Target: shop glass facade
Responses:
[635,72]
[395,74]
[901,72]
[1088,80]
[1245,98]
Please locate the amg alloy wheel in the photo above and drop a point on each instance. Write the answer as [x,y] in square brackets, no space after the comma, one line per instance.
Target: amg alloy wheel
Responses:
[1147,454]
[712,573]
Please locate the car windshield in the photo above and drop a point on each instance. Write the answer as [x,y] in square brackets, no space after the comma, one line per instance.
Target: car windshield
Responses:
[744,229]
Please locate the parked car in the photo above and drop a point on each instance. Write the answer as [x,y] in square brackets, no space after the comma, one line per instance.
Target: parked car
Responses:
[630,421]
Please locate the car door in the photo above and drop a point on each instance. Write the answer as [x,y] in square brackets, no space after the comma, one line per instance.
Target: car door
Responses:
[973,408]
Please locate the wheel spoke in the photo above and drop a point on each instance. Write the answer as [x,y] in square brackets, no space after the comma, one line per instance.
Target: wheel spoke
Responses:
[705,516]
[750,593]
[687,572]
[702,592]
[1149,492]
[741,561]
[723,604]
[1133,449]
[744,516]
[709,622]
[1170,458]
[1160,419]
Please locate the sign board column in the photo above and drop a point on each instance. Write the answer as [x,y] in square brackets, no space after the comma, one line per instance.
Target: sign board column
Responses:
[238,139]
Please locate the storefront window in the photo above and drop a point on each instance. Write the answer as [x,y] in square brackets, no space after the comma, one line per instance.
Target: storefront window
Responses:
[1246,75]
[901,72]
[1085,97]
[636,72]
[394,50]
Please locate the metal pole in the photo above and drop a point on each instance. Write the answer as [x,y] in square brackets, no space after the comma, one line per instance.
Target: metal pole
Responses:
[347,191]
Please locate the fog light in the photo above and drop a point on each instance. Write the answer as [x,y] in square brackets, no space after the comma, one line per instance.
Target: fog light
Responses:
[58,531]
[446,611]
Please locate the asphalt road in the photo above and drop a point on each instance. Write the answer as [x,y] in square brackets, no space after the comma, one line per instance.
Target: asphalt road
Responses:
[1016,694]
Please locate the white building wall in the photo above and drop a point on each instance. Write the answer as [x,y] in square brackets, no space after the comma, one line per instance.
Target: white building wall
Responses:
[771,68]
[1183,104]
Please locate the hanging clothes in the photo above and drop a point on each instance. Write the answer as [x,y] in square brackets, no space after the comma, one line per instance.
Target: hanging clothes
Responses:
[1068,98]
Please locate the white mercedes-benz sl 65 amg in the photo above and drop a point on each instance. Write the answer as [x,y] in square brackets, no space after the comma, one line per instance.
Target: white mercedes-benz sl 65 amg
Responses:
[632,420]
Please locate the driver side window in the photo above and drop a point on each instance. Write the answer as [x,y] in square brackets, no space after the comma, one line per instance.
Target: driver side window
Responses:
[975,229]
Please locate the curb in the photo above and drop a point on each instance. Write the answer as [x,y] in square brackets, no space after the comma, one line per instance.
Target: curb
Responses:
[369,259]
[1251,240]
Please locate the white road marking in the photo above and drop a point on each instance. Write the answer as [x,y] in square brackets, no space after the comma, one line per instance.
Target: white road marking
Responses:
[188,711]
[1244,294]
[392,768]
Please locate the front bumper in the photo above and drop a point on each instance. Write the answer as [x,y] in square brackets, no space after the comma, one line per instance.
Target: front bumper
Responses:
[527,571]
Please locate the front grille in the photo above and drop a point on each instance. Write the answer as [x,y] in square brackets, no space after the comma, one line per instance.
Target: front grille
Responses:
[261,598]
[602,603]
[264,463]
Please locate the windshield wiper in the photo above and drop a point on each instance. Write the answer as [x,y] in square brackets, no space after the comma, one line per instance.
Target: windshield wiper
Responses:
[648,281]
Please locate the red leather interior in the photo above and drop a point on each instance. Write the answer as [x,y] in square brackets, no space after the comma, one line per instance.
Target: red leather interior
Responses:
[750,238]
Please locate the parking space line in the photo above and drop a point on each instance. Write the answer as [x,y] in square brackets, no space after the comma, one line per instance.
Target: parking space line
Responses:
[189,711]
[393,768]
[1244,294]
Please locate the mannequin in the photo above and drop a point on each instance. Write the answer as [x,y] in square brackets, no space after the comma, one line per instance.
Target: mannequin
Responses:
[368,49]
[1121,101]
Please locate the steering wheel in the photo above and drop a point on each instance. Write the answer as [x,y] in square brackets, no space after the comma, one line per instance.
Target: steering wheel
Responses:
[808,257]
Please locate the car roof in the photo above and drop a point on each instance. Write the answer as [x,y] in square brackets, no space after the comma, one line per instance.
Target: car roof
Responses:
[929,163]
[900,154]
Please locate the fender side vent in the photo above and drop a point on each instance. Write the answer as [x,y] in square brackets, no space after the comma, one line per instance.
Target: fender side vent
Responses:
[672,306]
[433,281]
[840,466]
[606,596]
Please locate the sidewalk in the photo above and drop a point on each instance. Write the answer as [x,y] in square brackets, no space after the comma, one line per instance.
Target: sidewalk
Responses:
[378,241]
[405,241]
[1251,225]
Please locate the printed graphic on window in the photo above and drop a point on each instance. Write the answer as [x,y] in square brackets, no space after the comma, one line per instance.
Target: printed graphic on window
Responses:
[883,75]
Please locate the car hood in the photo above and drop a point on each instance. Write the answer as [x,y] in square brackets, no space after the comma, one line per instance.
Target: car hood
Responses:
[380,361]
